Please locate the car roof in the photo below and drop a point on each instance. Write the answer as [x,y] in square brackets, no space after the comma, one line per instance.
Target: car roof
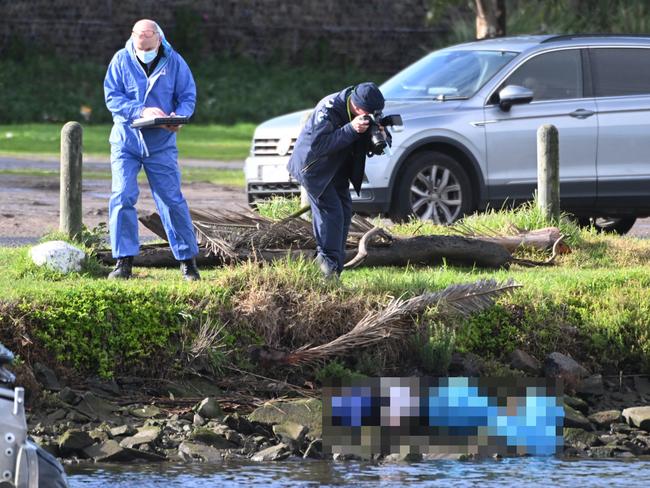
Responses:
[524,43]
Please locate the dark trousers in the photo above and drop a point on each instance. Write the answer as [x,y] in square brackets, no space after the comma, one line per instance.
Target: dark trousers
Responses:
[331,216]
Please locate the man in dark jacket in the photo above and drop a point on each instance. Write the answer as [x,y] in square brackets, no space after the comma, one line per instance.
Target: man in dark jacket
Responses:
[329,154]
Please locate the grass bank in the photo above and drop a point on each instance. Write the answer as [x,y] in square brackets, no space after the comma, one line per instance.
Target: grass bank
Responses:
[211,141]
[594,305]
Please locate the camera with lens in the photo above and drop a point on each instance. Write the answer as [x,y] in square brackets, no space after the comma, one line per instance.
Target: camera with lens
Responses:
[379,140]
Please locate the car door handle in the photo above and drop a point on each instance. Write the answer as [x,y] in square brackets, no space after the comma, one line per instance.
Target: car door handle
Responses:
[581,113]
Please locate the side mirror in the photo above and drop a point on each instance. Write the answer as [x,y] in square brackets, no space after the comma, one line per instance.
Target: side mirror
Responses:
[513,95]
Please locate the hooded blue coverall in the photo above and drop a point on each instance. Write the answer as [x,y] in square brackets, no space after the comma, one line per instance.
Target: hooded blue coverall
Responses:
[127,91]
[323,161]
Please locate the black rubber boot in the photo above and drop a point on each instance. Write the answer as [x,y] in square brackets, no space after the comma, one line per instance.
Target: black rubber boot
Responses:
[189,270]
[123,269]
[329,272]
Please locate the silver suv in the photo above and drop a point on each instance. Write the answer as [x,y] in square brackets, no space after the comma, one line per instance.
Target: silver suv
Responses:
[471,114]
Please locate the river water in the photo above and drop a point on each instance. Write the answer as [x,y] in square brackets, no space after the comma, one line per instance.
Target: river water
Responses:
[527,472]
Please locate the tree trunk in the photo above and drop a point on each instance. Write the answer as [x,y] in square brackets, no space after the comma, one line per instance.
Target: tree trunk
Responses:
[160,256]
[541,239]
[484,252]
[428,250]
[490,18]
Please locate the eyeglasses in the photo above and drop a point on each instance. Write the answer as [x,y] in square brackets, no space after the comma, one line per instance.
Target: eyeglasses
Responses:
[148,34]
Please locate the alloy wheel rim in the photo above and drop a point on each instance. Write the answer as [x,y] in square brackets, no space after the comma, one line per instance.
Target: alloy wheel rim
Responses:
[435,194]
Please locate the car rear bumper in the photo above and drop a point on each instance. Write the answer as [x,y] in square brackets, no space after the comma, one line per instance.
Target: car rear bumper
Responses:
[369,201]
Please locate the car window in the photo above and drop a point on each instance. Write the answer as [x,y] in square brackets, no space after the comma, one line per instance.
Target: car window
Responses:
[619,72]
[447,73]
[551,76]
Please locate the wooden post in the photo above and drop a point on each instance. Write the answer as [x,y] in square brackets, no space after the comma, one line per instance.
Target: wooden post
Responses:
[70,189]
[548,172]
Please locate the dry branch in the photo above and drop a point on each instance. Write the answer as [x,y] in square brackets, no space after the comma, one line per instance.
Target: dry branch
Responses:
[540,239]
[229,237]
[427,250]
[394,321]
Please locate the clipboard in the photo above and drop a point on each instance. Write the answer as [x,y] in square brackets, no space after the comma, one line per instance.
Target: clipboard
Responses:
[142,123]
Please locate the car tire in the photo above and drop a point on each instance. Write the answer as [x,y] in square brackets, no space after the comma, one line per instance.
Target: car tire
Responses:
[610,225]
[433,186]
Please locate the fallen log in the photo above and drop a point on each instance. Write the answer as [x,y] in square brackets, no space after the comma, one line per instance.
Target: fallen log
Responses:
[486,250]
[540,239]
[160,256]
[427,250]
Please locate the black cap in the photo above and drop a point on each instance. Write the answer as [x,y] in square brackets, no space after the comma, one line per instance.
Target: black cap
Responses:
[367,96]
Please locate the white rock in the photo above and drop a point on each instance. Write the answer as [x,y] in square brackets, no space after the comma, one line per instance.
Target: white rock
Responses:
[58,256]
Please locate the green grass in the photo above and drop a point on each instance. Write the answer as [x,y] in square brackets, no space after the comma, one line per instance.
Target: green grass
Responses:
[219,142]
[34,88]
[593,304]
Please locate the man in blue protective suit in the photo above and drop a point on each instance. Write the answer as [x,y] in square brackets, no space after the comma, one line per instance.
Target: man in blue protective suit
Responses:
[147,78]
[329,154]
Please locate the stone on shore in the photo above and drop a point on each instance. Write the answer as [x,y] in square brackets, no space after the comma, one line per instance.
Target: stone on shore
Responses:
[57,415]
[58,256]
[307,412]
[523,361]
[122,430]
[577,403]
[97,408]
[273,453]
[591,386]
[642,386]
[602,451]
[146,435]
[195,451]
[209,409]
[211,438]
[638,417]
[573,418]
[68,396]
[558,365]
[466,364]
[46,377]
[239,423]
[290,432]
[579,438]
[146,412]
[605,418]
[111,451]
[74,441]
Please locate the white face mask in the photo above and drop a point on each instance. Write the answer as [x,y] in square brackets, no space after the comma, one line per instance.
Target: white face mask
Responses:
[146,56]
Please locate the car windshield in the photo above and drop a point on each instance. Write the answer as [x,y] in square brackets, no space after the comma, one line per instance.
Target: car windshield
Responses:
[446,74]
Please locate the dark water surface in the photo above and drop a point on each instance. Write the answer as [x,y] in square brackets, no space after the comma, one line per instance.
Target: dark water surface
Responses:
[527,472]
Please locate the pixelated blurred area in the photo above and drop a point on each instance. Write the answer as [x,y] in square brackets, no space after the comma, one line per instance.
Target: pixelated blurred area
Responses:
[443,417]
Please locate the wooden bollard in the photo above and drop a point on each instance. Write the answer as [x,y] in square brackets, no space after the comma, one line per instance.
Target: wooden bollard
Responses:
[70,189]
[548,172]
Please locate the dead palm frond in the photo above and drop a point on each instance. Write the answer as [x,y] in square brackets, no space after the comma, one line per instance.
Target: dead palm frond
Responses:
[396,319]
[199,338]
[230,234]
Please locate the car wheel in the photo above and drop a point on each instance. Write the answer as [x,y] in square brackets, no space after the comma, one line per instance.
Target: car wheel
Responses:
[614,225]
[433,187]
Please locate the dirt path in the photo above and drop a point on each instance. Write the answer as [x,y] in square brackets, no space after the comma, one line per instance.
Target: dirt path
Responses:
[29,205]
